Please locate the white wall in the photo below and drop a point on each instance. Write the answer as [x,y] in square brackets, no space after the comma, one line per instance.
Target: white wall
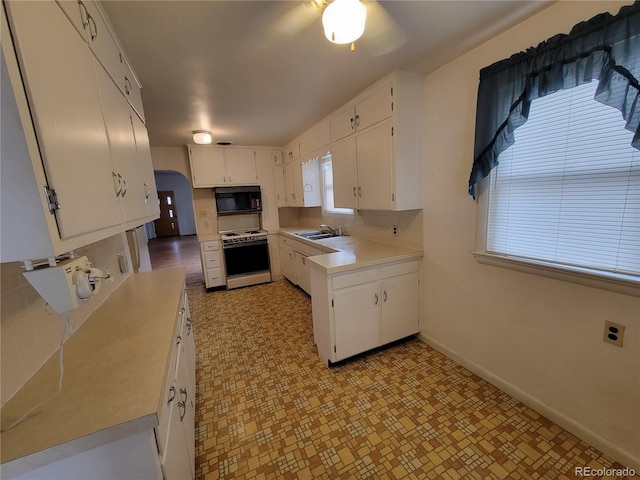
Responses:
[537,338]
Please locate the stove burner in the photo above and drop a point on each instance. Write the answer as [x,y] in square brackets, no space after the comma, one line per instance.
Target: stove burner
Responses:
[231,234]
[253,232]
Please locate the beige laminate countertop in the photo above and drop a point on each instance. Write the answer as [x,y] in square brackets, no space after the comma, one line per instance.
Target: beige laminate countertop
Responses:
[115,366]
[347,252]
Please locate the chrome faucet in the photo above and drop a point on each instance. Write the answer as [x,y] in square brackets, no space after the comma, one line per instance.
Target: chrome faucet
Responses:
[336,232]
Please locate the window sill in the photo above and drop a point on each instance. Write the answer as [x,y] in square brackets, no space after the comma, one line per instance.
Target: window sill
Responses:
[624,284]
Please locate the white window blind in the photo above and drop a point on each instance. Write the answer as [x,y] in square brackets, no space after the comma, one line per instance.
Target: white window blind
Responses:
[568,191]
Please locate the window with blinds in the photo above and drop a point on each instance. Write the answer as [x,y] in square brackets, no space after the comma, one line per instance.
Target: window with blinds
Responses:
[567,192]
[326,166]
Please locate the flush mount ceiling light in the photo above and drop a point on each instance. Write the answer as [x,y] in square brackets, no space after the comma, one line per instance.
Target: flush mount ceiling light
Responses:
[202,137]
[344,20]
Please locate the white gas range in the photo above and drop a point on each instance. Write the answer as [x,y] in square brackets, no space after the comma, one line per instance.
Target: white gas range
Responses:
[246,257]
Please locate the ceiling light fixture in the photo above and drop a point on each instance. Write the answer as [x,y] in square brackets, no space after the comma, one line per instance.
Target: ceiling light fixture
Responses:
[202,137]
[344,20]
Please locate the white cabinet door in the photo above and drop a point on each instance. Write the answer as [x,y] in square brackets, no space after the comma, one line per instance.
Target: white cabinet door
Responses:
[289,191]
[102,43]
[374,107]
[59,77]
[145,166]
[311,185]
[343,124]
[207,166]
[375,168]
[274,256]
[356,319]
[122,144]
[175,460]
[303,276]
[278,172]
[240,166]
[400,307]
[287,260]
[345,173]
[266,179]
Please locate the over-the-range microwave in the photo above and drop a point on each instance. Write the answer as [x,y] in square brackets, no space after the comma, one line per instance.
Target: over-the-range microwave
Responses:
[238,200]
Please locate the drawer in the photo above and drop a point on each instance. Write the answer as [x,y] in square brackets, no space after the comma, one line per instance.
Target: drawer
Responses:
[394,270]
[214,277]
[357,278]
[210,245]
[212,260]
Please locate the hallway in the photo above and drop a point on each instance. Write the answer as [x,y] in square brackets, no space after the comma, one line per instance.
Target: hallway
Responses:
[177,251]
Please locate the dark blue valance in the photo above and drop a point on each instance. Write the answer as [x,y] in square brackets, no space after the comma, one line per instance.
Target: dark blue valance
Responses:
[605,48]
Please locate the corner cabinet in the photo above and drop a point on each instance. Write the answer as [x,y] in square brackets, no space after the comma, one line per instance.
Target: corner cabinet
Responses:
[376,146]
[356,311]
[71,159]
[216,166]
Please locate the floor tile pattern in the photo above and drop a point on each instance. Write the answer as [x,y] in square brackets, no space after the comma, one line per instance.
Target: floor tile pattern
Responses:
[268,408]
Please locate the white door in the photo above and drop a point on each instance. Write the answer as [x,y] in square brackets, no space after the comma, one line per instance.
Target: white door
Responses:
[287,262]
[302,273]
[375,173]
[145,165]
[356,318]
[175,460]
[241,166]
[268,187]
[400,307]
[298,193]
[345,173]
[289,192]
[278,173]
[207,166]
[58,72]
[374,108]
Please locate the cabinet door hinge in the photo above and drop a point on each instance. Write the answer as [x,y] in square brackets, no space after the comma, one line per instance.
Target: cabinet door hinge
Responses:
[52,199]
[334,349]
[332,302]
[392,106]
[393,197]
[392,91]
[392,131]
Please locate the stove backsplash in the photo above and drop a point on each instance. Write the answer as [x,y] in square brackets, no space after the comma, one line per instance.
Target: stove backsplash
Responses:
[239,222]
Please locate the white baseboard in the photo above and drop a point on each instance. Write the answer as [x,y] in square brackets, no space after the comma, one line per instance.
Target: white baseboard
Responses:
[580,431]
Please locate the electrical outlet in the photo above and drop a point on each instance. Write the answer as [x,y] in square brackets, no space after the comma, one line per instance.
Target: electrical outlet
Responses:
[395,230]
[613,333]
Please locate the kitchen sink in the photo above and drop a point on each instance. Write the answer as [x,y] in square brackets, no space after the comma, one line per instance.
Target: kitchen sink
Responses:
[315,235]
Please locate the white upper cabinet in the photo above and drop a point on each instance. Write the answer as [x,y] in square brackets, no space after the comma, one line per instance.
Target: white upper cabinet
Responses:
[59,76]
[73,151]
[314,138]
[370,109]
[377,165]
[292,150]
[215,166]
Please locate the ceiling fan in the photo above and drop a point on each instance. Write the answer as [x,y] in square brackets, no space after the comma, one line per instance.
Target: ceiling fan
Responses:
[346,21]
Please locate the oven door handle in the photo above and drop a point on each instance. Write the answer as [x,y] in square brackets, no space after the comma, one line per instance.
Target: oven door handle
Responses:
[245,244]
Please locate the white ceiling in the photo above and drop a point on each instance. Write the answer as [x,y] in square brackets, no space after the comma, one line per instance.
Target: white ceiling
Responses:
[261,72]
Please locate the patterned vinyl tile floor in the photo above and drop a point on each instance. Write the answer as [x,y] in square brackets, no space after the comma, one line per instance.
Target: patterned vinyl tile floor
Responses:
[267,407]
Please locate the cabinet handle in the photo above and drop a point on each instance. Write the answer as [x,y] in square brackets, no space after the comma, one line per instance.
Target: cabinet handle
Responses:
[360,191]
[178,339]
[85,17]
[123,190]
[94,31]
[304,260]
[188,326]
[376,301]
[127,85]
[147,190]
[357,120]
[116,183]
[229,178]
[172,394]
[183,407]
[354,192]
[183,391]
[352,123]
[384,296]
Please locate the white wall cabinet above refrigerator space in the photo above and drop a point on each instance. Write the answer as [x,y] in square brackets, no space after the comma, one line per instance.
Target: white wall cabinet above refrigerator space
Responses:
[215,166]
[60,161]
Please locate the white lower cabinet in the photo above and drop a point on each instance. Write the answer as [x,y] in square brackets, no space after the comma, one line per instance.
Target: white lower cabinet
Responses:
[212,263]
[295,267]
[356,311]
[176,430]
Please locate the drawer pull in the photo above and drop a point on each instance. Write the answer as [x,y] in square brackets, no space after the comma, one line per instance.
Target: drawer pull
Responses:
[376,299]
[183,409]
